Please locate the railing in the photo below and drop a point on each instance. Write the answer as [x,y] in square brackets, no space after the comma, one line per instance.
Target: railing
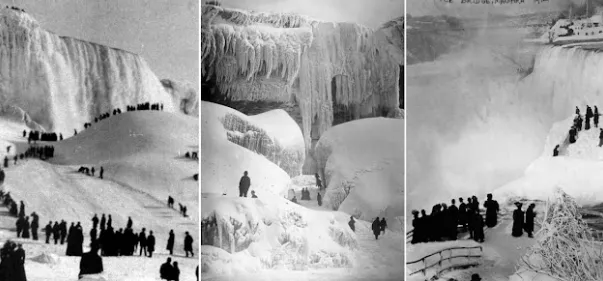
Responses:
[409,234]
[442,259]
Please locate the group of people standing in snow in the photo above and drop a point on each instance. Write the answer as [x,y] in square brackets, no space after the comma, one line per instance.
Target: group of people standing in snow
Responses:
[41,152]
[146,106]
[91,171]
[443,223]
[183,208]
[34,136]
[377,226]
[523,221]
[577,126]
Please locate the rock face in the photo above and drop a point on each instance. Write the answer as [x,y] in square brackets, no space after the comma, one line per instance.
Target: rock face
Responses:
[334,72]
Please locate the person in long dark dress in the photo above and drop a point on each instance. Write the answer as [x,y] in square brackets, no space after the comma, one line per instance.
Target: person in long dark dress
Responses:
[170,242]
[453,218]
[518,219]
[478,223]
[417,236]
[492,209]
[462,213]
[556,151]
[530,215]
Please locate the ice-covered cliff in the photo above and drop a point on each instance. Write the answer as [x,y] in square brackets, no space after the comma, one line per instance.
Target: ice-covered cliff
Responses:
[287,57]
[62,82]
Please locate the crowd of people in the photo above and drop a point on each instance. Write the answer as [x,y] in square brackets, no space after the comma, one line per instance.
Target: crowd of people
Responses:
[41,152]
[192,155]
[91,171]
[145,106]
[34,136]
[378,226]
[12,264]
[444,221]
[16,9]
[523,221]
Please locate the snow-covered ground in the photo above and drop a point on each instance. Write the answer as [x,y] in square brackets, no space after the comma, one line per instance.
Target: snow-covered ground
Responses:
[271,238]
[142,153]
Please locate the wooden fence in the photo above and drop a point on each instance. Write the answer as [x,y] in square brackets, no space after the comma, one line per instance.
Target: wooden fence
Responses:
[467,256]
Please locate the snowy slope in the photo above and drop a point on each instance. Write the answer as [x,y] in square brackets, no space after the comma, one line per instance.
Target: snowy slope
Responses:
[223,162]
[130,187]
[368,156]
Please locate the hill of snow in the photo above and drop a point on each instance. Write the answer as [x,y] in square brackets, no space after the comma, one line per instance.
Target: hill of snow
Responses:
[366,157]
[142,155]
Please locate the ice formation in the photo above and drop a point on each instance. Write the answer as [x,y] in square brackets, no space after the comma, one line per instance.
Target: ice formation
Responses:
[283,57]
[362,164]
[62,82]
[185,93]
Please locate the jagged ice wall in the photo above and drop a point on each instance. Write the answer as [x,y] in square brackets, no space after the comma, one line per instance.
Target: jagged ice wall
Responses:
[287,57]
[60,82]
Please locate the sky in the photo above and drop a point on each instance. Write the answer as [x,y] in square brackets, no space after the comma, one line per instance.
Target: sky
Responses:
[164,32]
[437,7]
[371,13]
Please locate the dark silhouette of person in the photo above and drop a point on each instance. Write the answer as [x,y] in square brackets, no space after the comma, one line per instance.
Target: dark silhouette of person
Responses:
[24,133]
[518,219]
[19,224]
[34,226]
[48,232]
[8,149]
[470,214]
[20,263]
[197,273]
[188,244]
[318,181]
[60,136]
[94,221]
[92,170]
[244,184]
[319,199]
[151,244]
[462,213]
[109,222]
[294,199]
[93,235]
[170,202]
[530,215]
[600,137]
[596,117]
[102,222]
[572,134]
[142,238]
[2,176]
[63,231]
[478,224]
[556,151]
[176,272]
[101,173]
[91,262]
[130,223]
[383,225]
[416,228]
[475,277]
[5,161]
[56,233]
[166,269]
[352,223]
[453,218]
[579,127]
[170,242]
[74,132]
[22,209]
[376,227]
[253,194]
[577,111]
[492,209]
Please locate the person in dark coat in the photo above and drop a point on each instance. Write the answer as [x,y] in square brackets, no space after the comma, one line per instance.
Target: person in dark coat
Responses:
[530,215]
[109,222]
[423,226]
[102,171]
[56,232]
[453,217]
[416,228]
[244,185]
[34,226]
[22,209]
[20,264]
[94,221]
[176,272]
[102,222]
[151,244]
[462,213]
[383,225]
[319,198]
[572,134]
[188,244]
[63,231]
[48,232]
[352,223]
[577,111]
[170,243]
[492,209]
[556,151]
[130,223]
[91,262]
[26,226]
[142,238]
[376,227]
[19,224]
[596,117]
[166,269]
[478,226]
[518,219]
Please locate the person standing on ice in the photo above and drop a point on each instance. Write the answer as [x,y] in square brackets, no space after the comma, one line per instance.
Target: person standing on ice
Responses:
[19,224]
[492,209]
[22,209]
[530,215]
[56,233]
[63,231]
[319,198]
[318,181]
[94,221]
[517,221]
[20,264]
[462,213]
[170,242]
[48,231]
[351,223]
[142,237]
[176,272]
[556,151]
[102,222]
[478,226]
[188,244]
[24,133]
[151,244]
[130,223]
[34,226]
[577,111]
[572,134]
[5,161]
[92,170]
[101,173]
[453,216]
[166,269]
[8,149]
[91,262]
[244,184]
[376,227]
[417,228]
[596,117]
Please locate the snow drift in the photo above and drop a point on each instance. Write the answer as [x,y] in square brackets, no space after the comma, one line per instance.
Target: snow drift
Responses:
[481,124]
[283,57]
[62,82]
[223,161]
[362,163]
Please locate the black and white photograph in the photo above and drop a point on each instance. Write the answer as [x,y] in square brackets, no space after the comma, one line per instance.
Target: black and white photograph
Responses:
[99,137]
[302,140]
[504,150]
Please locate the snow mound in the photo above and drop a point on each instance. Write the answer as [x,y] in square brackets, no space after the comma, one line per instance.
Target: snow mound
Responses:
[273,233]
[46,258]
[363,166]
[223,162]
[273,134]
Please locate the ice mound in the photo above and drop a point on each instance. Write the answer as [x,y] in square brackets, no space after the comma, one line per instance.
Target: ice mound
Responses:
[271,232]
[363,166]
[47,258]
